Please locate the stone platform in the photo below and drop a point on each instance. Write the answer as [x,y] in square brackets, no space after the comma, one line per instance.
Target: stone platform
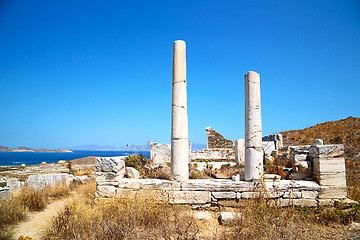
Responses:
[211,191]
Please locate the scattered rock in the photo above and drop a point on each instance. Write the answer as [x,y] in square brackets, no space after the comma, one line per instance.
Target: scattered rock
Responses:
[202,215]
[81,178]
[110,164]
[319,141]
[132,173]
[354,226]
[229,217]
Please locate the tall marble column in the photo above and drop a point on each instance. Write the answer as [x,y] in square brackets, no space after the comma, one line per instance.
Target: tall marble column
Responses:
[179,117]
[253,133]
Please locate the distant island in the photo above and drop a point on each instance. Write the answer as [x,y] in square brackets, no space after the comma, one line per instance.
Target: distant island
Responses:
[26,149]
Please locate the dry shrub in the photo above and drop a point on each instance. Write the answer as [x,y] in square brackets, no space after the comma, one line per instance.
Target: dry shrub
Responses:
[15,207]
[137,161]
[82,172]
[56,192]
[260,220]
[134,217]
[160,172]
[34,200]
[11,211]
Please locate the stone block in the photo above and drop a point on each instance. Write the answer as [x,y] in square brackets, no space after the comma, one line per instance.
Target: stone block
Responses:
[328,164]
[298,157]
[132,173]
[189,197]
[229,217]
[109,176]
[160,153]
[319,141]
[309,194]
[217,185]
[336,150]
[292,195]
[332,192]
[325,202]
[248,195]
[133,184]
[238,177]
[297,202]
[272,177]
[332,179]
[268,147]
[106,183]
[158,184]
[110,164]
[13,183]
[42,180]
[202,215]
[105,191]
[224,195]
[240,151]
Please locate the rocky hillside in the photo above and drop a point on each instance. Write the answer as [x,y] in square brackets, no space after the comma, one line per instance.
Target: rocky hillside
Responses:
[26,149]
[344,131]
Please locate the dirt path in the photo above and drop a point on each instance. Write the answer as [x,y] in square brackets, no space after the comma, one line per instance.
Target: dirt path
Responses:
[38,220]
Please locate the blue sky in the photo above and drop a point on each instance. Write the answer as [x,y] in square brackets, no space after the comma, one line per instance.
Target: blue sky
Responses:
[99,72]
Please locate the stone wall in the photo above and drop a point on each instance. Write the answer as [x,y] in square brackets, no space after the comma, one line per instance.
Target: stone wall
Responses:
[44,180]
[207,192]
[219,154]
[276,138]
[216,140]
[160,153]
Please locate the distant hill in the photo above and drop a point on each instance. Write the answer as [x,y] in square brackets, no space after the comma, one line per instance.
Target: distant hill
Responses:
[26,149]
[93,147]
[334,132]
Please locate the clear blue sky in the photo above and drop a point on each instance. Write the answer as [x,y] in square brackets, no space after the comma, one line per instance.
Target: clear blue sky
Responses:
[99,72]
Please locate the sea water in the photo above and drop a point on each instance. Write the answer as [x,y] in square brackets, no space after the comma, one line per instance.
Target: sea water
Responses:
[31,158]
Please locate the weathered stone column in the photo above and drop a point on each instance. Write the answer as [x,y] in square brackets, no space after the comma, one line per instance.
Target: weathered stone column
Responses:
[253,140]
[179,117]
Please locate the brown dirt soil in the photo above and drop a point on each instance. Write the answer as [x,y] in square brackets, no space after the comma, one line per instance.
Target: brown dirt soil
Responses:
[36,221]
[84,161]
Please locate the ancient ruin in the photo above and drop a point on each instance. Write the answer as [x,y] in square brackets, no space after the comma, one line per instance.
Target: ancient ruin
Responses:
[318,170]
[179,117]
[253,132]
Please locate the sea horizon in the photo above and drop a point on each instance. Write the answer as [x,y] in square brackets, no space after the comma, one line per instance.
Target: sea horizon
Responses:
[33,158]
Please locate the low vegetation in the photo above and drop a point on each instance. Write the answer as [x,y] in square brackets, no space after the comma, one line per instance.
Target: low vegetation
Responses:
[136,217]
[18,204]
[261,220]
[141,216]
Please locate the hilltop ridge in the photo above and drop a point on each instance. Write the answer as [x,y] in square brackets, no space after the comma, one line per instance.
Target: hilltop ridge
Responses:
[27,149]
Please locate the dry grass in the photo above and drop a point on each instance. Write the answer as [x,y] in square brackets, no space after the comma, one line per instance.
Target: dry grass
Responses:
[83,171]
[259,220]
[16,207]
[160,172]
[137,217]
[142,217]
